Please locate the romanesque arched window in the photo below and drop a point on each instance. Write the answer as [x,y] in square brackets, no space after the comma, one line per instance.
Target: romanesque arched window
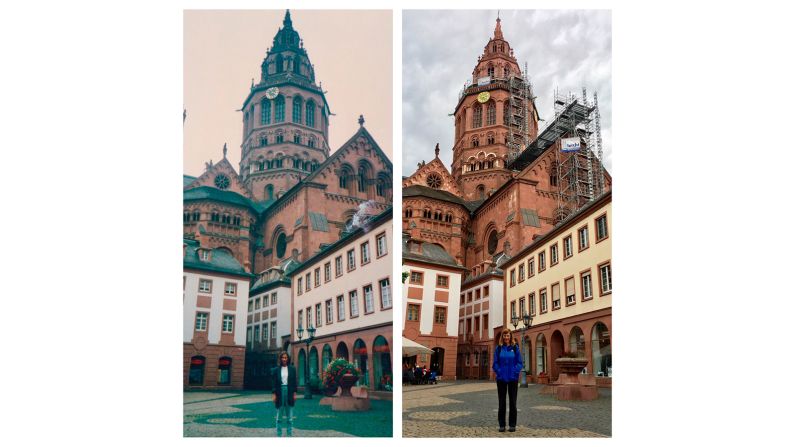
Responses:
[365,175]
[311,141]
[310,113]
[279,63]
[490,71]
[477,116]
[269,192]
[196,215]
[297,138]
[481,190]
[265,111]
[491,113]
[298,107]
[490,138]
[279,115]
[263,140]
[475,141]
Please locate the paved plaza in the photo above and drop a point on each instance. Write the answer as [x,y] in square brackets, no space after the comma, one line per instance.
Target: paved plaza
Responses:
[467,409]
[252,414]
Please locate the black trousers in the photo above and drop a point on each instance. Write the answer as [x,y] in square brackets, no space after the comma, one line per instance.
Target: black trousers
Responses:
[510,388]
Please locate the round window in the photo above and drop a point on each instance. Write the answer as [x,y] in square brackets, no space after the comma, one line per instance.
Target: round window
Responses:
[221,181]
[434,180]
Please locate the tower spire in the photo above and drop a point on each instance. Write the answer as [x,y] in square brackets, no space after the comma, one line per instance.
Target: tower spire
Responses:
[288,22]
[498,29]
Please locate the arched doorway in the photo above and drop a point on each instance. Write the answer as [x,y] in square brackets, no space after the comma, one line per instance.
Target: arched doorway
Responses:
[196,372]
[342,351]
[541,354]
[601,353]
[360,360]
[312,364]
[556,349]
[224,371]
[301,372]
[382,364]
[326,356]
[577,341]
[437,360]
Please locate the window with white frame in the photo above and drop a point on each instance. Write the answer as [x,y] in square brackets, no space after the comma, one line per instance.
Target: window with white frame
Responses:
[555,296]
[601,228]
[542,300]
[327,271]
[542,261]
[228,324]
[256,304]
[353,298]
[369,305]
[340,307]
[300,318]
[318,315]
[532,300]
[606,280]
[531,267]
[265,300]
[265,333]
[365,248]
[309,281]
[521,307]
[351,259]
[442,281]
[205,285]
[317,277]
[230,288]
[338,266]
[256,333]
[582,235]
[309,317]
[273,298]
[553,254]
[250,305]
[329,311]
[587,288]
[201,321]
[386,298]
[567,247]
[273,329]
[513,308]
[571,297]
[300,285]
[521,272]
[380,243]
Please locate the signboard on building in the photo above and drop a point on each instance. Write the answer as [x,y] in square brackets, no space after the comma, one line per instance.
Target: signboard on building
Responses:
[485,80]
[570,144]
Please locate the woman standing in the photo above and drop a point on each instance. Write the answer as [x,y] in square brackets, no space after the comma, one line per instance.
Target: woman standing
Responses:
[284,386]
[507,365]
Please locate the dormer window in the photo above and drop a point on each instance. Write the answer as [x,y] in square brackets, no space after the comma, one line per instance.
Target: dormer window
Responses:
[204,255]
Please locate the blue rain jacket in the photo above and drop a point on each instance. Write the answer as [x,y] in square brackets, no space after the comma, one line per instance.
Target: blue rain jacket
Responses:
[507,363]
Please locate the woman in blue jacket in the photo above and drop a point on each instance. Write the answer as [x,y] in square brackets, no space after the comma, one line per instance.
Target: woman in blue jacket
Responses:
[507,364]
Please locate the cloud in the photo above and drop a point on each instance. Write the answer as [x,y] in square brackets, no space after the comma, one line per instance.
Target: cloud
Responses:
[567,49]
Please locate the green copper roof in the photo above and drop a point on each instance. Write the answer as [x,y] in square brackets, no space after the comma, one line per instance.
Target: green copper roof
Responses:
[187,180]
[210,193]
[220,260]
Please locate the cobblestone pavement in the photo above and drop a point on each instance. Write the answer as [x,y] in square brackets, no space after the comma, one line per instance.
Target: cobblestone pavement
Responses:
[252,414]
[468,409]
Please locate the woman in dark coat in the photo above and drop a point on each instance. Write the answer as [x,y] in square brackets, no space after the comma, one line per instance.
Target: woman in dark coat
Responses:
[284,386]
[507,364]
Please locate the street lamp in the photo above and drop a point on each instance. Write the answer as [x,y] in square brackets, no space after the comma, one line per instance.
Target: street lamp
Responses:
[528,321]
[311,332]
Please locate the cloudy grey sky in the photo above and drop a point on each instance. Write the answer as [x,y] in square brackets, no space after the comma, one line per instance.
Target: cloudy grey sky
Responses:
[567,49]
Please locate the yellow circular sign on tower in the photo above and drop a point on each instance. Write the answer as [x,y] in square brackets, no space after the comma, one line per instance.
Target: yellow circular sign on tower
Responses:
[483,97]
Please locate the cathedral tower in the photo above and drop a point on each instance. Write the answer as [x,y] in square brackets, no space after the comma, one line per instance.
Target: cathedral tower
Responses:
[495,114]
[285,119]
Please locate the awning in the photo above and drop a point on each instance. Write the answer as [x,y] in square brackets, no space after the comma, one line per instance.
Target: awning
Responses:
[411,347]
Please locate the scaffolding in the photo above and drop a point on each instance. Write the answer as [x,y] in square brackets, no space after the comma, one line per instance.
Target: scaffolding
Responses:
[518,121]
[580,174]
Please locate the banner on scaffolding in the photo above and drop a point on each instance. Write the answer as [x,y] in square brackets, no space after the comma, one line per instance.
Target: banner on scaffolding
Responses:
[485,80]
[570,144]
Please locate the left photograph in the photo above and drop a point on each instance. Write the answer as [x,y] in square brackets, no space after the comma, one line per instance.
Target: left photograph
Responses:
[287,223]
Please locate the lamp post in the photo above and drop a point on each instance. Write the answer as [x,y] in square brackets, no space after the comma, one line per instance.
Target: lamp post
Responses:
[311,332]
[528,321]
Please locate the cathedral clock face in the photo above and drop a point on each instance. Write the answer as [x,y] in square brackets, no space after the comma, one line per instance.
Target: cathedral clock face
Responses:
[272,92]
[434,181]
[483,97]
[221,181]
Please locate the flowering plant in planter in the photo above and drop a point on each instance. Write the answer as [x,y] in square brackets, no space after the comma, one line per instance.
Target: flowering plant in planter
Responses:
[334,372]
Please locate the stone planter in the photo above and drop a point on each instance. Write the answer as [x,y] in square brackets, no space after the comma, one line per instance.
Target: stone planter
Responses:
[346,382]
[571,385]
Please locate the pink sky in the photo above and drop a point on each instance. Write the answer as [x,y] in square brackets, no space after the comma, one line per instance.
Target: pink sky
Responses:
[223,50]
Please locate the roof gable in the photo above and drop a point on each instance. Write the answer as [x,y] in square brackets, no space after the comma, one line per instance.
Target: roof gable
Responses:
[420,176]
[360,144]
[222,167]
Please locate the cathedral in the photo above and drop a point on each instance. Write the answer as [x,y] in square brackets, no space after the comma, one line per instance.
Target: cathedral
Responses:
[510,183]
[290,197]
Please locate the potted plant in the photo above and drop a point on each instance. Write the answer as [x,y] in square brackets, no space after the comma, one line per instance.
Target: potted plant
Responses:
[340,373]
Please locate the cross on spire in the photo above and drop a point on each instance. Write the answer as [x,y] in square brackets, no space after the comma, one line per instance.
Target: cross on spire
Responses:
[361,120]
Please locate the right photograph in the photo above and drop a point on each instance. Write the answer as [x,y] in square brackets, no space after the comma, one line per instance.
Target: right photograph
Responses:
[507,219]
